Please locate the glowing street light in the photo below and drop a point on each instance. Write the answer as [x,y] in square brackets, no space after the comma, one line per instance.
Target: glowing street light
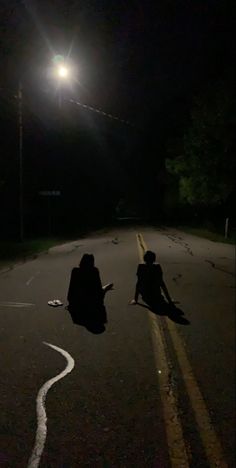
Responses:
[61,68]
[62,71]
[63,74]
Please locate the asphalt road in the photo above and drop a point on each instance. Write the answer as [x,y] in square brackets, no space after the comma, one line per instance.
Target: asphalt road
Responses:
[149,391]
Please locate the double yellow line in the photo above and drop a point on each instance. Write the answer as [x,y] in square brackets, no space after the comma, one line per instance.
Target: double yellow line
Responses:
[176,445]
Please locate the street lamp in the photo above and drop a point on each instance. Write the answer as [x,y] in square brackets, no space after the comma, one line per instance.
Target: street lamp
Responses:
[18,96]
[20,124]
[62,72]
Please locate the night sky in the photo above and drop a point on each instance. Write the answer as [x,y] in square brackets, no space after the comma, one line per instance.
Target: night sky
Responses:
[141,61]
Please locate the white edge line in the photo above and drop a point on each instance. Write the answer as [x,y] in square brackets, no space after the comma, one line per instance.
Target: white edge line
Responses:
[31,279]
[16,304]
[41,432]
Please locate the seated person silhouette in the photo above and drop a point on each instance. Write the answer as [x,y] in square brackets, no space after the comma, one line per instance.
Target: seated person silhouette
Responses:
[86,295]
[150,283]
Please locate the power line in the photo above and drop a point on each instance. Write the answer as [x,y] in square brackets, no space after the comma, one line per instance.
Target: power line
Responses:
[99,111]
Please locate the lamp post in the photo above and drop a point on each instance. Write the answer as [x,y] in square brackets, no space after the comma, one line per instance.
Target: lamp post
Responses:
[18,96]
[62,72]
[21,197]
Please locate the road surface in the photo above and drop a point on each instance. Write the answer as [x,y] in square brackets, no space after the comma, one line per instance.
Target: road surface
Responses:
[150,391]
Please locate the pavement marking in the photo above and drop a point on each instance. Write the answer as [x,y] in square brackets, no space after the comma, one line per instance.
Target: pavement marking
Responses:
[16,304]
[175,439]
[41,432]
[32,278]
[210,440]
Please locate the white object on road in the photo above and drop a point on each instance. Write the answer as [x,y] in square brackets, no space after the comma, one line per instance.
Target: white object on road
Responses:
[40,407]
[55,303]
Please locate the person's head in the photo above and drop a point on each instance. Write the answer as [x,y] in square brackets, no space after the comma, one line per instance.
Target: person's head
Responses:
[149,257]
[87,261]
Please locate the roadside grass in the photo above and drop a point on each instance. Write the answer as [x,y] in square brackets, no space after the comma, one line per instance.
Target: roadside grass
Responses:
[11,251]
[20,250]
[207,234]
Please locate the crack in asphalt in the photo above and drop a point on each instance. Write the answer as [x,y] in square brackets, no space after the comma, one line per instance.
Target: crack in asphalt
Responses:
[216,267]
[179,240]
[176,278]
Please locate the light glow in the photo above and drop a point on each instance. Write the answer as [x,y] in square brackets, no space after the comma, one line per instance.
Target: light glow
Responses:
[62,72]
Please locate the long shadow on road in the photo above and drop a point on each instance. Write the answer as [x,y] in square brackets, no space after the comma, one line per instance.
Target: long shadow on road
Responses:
[169,310]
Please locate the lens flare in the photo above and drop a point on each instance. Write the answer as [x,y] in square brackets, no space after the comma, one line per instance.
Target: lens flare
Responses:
[63,72]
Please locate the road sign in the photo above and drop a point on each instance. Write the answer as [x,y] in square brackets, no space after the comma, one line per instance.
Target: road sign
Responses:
[50,193]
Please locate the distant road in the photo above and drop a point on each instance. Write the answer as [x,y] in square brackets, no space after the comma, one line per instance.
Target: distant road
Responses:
[148,392]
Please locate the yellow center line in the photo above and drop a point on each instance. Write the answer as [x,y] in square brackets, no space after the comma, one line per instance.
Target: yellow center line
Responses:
[210,440]
[208,435]
[174,433]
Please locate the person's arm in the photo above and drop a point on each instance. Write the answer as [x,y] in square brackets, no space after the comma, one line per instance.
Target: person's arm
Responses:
[98,279]
[163,285]
[98,289]
[166,292]
[136,294]
[71,288]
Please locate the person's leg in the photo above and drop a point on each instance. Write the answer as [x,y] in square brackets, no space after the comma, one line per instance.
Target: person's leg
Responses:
[156,302]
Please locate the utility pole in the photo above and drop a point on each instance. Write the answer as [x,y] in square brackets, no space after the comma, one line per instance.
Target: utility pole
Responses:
[59,96]
[20,126]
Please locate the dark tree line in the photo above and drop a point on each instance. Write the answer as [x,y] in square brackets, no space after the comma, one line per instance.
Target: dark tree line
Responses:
[203,161]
